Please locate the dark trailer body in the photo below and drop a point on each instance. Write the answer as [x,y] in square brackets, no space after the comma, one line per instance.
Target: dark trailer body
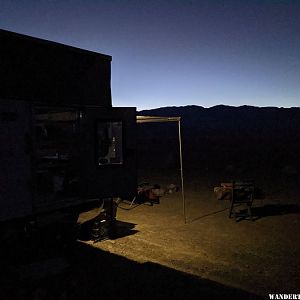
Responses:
[63,145]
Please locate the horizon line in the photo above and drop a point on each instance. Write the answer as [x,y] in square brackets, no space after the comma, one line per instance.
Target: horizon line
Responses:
[218,105]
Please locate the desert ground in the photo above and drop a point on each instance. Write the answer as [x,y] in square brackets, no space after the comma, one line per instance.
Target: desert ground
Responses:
[155,254]
[260,256]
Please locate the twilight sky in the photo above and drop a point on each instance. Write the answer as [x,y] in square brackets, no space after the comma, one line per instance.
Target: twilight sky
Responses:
[169,53]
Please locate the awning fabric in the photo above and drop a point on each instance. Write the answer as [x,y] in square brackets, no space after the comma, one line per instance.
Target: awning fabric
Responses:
[150,119]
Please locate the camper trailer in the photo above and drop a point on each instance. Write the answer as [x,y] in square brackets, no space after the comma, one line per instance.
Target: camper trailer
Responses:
[63,145]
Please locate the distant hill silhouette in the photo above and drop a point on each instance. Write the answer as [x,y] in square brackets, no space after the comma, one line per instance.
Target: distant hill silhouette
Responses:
[225,141]
[224,118]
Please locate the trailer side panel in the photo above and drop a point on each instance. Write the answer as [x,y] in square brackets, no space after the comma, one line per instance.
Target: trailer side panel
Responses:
[15,160]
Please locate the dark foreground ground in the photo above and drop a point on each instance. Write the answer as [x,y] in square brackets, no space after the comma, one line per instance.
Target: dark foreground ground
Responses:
[85,272]
[155,255]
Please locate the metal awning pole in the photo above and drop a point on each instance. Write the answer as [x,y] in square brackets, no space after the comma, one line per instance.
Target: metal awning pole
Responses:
[181,171]
[154,119]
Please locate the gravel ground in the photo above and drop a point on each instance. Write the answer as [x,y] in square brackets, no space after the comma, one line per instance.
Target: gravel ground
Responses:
[156,255]
[260,256]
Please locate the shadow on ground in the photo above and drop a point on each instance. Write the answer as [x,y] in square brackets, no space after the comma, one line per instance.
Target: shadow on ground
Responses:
[90,273]
[259,212]
[119,230]
[275,210]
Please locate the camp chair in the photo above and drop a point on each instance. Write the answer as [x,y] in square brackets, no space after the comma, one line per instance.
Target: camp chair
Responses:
[242,196]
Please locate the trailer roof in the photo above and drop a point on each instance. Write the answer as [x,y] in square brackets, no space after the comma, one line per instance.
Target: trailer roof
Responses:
[46,72]
[51,43]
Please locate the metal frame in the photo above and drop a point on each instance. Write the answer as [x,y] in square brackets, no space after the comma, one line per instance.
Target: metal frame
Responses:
[242,193]
[154,119]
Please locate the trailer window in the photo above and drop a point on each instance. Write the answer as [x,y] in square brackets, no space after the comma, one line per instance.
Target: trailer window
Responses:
[109,143]
[57,134]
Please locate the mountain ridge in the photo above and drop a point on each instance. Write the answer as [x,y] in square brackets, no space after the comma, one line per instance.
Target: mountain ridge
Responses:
[219,106]
[222,117]
[261,140]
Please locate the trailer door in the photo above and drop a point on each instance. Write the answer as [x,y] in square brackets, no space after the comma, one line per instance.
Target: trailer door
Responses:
[15,160]
[108,156]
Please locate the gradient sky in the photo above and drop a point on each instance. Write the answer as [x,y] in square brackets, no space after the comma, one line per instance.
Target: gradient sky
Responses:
[173,53]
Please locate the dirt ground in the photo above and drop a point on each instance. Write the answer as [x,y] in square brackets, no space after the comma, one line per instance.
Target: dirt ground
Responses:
[156,255]
[260,256]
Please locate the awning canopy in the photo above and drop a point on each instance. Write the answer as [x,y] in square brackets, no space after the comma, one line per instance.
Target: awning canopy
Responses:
[150,119]
[157,119]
